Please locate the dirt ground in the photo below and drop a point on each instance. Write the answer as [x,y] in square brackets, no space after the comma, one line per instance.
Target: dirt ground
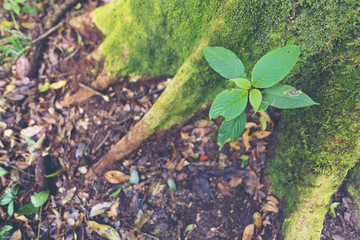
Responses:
[219,194]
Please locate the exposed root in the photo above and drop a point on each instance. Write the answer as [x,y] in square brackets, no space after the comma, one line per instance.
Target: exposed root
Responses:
[85,26]
[129,143]
[97,55]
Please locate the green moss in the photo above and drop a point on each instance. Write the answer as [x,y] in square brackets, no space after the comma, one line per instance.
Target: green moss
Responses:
[317,145]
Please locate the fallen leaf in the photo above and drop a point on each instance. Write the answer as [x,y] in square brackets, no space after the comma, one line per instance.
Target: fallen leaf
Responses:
[259,135]
[9,88]
[181,164]
[69,194]
[113,210]
[270,207]
[104,230]
[236,181]
[257,219]
[116,177]
[203,158]
[234,146]
[251,125]
[224,188]
[16,235]
[22,67]
[272,199]
[246,139]
[58,84]
[248,232]
[21,217]
[31,131]
[100,208]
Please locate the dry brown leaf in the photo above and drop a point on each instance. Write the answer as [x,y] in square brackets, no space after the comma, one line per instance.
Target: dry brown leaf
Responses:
[16,235]
[58,84]
[248,232]
[270,207]
[259,135]
[246,139]
[31,131]
[100,208]
[181,164]
[234,146]
[113,209]
[69,194]
[116,177]
[257,219]
[21,218]
[224,188]
[22,67]
[251,125]
[272,199]
[236,181]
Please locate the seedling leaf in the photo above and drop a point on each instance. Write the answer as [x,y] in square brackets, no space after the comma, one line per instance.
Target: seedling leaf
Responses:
[242,83]
[263,106]
[231,130]
[285,96]
[224,62]
[172,184]
[40,198]
[274,66]
[3,171]
[27,209]
[255,99]
[229,104]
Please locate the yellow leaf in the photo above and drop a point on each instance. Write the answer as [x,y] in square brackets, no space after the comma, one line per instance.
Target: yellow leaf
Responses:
[234,146]
[246,139]
[104,230]
[9,88]
[259,135]
[257,220]
[251,125]
[236,181]
[57,85]
[248,232]
[116,177]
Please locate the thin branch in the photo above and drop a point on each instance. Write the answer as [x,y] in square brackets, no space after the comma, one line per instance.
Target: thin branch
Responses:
[106,98]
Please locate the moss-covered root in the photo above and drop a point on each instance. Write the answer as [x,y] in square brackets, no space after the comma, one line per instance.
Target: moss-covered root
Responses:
[184,95]
[306,222]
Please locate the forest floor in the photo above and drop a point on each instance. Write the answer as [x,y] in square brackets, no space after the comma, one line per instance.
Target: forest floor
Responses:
[177,185]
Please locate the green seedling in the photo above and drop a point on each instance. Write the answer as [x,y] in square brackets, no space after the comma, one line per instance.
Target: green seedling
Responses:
[37,200]
[8,199]
[5,231]
[261,90]
[14,6]
[332,207]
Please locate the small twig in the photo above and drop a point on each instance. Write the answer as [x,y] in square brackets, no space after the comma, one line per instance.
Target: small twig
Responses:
[106,98]
[47,33]
[38,234]
[102,142]
[91,140]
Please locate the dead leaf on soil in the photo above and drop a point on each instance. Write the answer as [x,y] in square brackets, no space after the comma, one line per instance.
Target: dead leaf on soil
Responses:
[246,139]
[116,177]
[100,208]
[248,232]
[259,135]
[113,209]
[58,84]
[251,125]
[22,67]
[270,207]
[257,219]
[224,188]
[181,164]
[272,199]
[31,131]
[236,181]
[104,230]
[16,235]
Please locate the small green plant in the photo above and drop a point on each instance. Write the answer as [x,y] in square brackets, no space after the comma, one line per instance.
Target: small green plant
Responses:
[332,207]
[5,231]
[8,199]
[37,200]
[261,90]
[13,5]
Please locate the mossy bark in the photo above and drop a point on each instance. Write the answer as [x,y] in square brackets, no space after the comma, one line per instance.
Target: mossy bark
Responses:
[317,145]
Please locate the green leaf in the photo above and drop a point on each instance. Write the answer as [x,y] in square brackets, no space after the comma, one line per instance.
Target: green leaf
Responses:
[115,193]
[6,200]
[16,8]
[172,184]
[274,66]
[229,104]
[21,1]
[332,209]
[242,83]
[10,209]
[285,96]
[190,227]
[231,130]
[40,198]
[3,171]
[263,106]
[30,142]
[224,62]
[5,229]
[7,6]
[44,87]
[27,209]
[255,98]
[29,9]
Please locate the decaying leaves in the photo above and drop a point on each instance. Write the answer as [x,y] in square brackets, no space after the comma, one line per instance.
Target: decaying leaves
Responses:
[100,208]
[236,181]
[116,177]
[104,230]
[257,220]
[270,205]
[248,232]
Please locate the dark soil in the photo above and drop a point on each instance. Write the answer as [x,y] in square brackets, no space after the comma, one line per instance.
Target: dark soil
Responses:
[207,204]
